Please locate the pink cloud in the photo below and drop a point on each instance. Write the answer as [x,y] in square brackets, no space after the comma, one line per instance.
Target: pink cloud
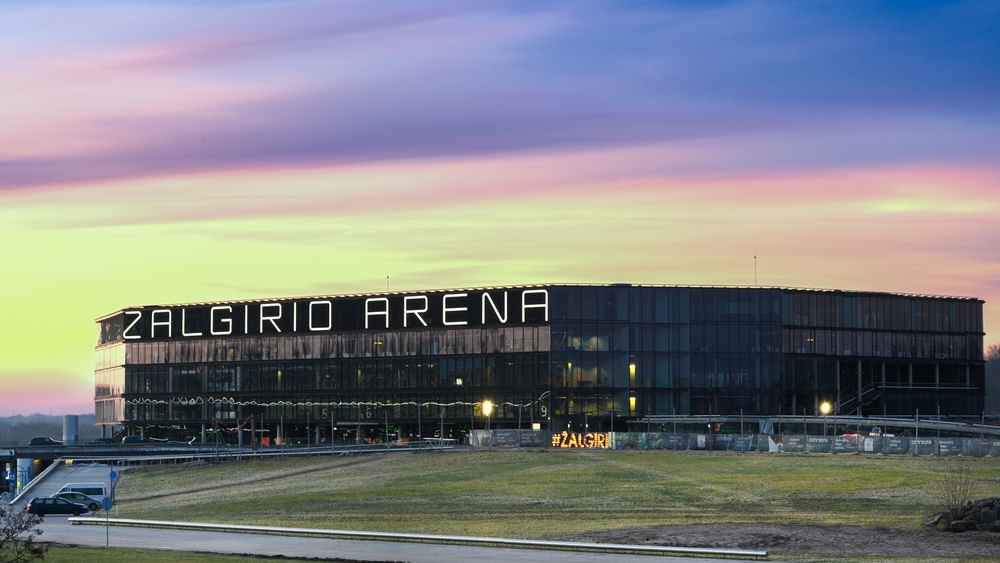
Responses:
[46,391]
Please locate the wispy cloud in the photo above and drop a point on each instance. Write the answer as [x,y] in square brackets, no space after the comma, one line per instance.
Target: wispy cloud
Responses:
[303,84]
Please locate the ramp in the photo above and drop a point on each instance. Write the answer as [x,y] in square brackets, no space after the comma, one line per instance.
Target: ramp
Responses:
[58,474]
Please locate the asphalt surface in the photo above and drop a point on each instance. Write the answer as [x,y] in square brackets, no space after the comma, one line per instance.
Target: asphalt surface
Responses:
[56,529]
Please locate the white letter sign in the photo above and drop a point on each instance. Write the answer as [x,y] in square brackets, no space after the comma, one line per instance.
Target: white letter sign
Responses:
[415,312]
[487,296]
[329,316]
[184,331]
[370,313]
[266,318]
[543,305]
[166,323]
[228,321]
[445,309]
[138,315]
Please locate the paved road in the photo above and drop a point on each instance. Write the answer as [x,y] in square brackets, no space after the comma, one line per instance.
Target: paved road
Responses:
[58,530]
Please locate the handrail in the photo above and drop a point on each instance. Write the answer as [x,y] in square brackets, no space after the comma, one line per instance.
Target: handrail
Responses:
[967,428]
[928,386]
[147,454]
[849,398]
[424,538]
[37,479]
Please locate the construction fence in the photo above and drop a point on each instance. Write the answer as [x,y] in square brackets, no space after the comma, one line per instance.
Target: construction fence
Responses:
[793,443]
[888,445]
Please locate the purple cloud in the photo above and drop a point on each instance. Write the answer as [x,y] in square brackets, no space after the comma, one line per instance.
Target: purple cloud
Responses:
[774,86]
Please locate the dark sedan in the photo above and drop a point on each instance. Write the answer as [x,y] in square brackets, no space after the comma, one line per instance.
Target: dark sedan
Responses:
[44,441]
[54,505]
[136,440]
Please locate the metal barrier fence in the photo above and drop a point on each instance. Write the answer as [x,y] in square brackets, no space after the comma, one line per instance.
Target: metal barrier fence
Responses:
[889,445]
[509,438]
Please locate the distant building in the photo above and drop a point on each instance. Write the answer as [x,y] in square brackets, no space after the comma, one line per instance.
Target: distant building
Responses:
[561,356]
[993,386]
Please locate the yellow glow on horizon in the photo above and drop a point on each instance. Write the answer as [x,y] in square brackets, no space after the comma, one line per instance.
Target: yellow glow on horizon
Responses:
[71,255]
[912,205]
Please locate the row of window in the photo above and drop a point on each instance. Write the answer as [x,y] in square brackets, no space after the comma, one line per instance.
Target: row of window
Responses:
[573,369]
[109,411]
[752,305]
[519,370]
[581,371]
[931,402]
[109,356]
[882,312]
[751,402]
[344,409]
[686,370]
[500,340]
[664,304]
[109,382]
[602,337]
[695,401]
[605,337]
[883,344]
[333,410]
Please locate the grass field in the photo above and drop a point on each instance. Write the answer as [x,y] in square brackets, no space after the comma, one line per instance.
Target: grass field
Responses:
[545,494]
[65,554]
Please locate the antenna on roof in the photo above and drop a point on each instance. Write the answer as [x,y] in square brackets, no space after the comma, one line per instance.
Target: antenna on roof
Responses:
[387,283]
[755,269]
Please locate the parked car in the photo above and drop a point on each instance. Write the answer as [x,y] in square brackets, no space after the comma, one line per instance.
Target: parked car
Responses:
[136,440]
[54,505]
[92,504]
[44,441]
[97,441]
[96,491]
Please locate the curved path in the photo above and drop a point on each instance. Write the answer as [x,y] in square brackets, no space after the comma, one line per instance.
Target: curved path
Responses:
[57,529]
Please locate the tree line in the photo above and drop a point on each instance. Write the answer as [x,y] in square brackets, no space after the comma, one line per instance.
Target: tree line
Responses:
[17,430]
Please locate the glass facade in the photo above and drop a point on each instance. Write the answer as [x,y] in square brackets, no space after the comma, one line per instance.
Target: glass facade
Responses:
[570,357]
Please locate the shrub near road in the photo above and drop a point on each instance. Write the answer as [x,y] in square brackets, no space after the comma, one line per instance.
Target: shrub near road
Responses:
[545,494]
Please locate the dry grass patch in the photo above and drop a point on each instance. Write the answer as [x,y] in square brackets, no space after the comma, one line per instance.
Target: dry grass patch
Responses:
[545,493]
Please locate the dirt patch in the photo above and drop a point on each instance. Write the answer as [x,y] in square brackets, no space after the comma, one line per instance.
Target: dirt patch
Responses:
[291,473]
[779,538]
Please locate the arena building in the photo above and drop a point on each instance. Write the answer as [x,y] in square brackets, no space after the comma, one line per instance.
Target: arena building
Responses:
[555,357]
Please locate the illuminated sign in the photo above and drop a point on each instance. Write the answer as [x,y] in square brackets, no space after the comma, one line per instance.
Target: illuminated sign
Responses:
[493,307]
[575,440]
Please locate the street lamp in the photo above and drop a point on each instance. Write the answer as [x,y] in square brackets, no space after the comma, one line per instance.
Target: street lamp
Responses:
[487,409]
[824,408]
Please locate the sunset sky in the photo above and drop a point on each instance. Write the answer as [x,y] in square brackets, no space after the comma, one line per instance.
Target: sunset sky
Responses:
[166,152]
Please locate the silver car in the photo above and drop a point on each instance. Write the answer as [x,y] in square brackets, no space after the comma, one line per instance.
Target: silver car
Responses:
[79,498]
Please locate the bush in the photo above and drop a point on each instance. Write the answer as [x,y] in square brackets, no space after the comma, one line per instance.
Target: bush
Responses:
[957,487]
[18,531]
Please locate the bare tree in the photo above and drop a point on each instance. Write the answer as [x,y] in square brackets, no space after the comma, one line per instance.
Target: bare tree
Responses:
[18,532]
